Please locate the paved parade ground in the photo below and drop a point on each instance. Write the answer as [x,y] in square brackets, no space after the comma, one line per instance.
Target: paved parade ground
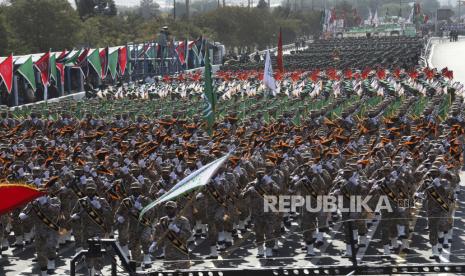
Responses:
[19,261]
[447,54]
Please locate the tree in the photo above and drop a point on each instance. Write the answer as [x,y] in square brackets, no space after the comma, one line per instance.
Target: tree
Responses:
[40,25]
[262,4]
[4,36]
[89,8]
[148,9]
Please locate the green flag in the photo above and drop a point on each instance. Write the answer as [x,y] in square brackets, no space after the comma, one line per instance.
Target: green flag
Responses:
[27,71]
[73,59]
[113,63]
[195,180]
[209,95]
[94,60]
[53,68]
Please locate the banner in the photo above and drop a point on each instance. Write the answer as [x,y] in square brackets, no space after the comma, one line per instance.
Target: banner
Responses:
[6,72]
[27,71]
[43,65]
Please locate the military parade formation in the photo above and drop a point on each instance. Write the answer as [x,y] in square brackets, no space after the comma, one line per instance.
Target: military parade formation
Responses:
[378,125]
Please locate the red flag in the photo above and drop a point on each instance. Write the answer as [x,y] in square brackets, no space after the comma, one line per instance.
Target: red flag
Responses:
[381,73]
[278,75]
[43,66]
[413,74]
[82,57]
[348,74]
[397,73]
[104,61]
[295,76]
[6,72]
[166,78]
[332,74]
[280,52]
[61,68]
[365,73]
[16,195]
[315,75]
[122,59]
[180,50]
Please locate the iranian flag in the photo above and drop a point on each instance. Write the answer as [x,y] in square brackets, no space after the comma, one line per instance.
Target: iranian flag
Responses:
[43,65]
[13,196]
[104,62]
[6,72]
[122,59]
[27,71]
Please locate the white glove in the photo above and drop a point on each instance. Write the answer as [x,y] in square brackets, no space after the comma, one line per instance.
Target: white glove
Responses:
[75,217]
[22,216]
[120,219]
[96,204]
[437,182]
[138,205]
[152,247]
[173,227]
[42,200]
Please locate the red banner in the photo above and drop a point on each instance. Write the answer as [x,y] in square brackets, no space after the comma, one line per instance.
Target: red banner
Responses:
[61,68]
[6,72]
[122,59]
[43,65]
[13,196]
[104,61]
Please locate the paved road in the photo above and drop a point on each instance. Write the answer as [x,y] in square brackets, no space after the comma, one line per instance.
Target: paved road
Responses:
[451,55]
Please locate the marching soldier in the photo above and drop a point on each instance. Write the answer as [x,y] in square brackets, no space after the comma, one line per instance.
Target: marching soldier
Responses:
[94,216]
[172,232]
[139,230]
[44,213]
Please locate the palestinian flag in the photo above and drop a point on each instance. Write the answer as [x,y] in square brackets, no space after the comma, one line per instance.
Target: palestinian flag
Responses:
[6,72]
[94,61]
[43,65]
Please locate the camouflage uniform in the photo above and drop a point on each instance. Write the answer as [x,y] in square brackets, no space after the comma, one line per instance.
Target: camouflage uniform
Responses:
[44,214]
[172,232]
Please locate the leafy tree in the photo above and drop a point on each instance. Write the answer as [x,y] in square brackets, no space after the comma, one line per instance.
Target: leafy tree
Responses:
[40,25]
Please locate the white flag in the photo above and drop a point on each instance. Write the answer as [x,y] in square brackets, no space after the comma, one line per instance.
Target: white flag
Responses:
[268,78]
[375,19]
[195,180]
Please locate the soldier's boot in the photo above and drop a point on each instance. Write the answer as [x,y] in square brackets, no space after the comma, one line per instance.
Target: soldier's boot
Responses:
[448,236]
[221,239]
[43,272]
[228,239]
[348,252]
[435,252]
[51,266]
[310,251]
[5,244]
[319,239]
[261,251]
[147,261]
[387,250]
[19,242]
[241,227]
[404,246]
[276,246]
[401,232]
[447,241]
[394,243]
[198,229]
[269,252]
[363,241]
[162,254]
[204,230]
[213,252]
[441,240]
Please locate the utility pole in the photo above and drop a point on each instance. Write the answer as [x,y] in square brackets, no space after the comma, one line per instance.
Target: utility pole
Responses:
[400,9]
[219,5]
[174,10]
[224,3]
[187,9]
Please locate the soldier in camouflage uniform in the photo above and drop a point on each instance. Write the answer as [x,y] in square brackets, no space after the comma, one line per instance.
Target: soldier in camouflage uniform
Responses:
[140,231]
[172,232]
[263,221]
[94,216]
[44,214]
